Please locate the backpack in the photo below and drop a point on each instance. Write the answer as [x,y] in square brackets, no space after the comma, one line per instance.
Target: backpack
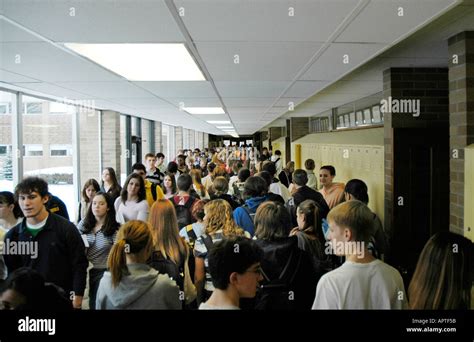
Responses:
[276,294]
[183,212]
[167,266]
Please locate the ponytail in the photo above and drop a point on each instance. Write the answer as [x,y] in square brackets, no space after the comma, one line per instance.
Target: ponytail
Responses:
[134,237]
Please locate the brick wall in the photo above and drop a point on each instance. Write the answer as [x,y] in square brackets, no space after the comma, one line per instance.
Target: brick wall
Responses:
[110,143]
[299,127]
[461,119]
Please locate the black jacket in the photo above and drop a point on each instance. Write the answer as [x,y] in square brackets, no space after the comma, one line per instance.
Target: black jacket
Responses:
[304,193]
[61,257]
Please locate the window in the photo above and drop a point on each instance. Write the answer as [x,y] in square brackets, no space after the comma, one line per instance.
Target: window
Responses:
[5,108]
[367,116]
[60,150]
[33,150]
[60,108]
[33,108]
[5,150]
[377,117]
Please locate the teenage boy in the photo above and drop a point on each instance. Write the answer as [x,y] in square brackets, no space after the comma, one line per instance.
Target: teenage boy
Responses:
[56,249]
[234,265]
[153,174]
[362,282]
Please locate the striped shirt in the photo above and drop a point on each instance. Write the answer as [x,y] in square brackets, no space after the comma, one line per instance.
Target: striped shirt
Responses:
[200,251]
[98,246]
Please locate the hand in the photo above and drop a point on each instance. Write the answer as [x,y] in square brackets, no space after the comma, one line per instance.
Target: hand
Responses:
[77,302]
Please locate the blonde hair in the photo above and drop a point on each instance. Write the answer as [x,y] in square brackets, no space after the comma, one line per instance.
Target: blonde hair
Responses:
[165,231]
[196,176]
[219,216]
[134,237]
[356,216]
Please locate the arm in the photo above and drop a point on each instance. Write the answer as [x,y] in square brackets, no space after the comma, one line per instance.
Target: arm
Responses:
[143,211]
[199,276]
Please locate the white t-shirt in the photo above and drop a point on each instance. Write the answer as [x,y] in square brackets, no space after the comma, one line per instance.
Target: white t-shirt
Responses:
[205,306]
[131,210]
[280,189]
[373,285]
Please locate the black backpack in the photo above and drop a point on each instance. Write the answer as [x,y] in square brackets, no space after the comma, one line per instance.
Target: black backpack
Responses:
[183,212]
[276,294]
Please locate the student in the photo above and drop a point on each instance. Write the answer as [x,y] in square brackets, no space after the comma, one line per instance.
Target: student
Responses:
[130,284]
[357,190]
[90,188]
[109,183]
[132,204]
[309,165]
[362,282]
[276,158]
[10,213]
[169,187]
[60,256]
[56,206]
[153,174]
[255,191]
[160,165]
[171,252]
[26,290]
[333,193]
[286,175]
[276,187]
[198,188]
[289,277]
[234,266]
[194,230]
[443,274]
[99,229]
[310,234]
[183,201]
[221,187]
[153,191]
[218,224]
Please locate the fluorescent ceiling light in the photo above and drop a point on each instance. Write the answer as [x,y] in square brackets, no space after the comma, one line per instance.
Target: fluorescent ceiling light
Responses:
[224,127]
[143,62]
[204,110]
[229,130]
[219,122]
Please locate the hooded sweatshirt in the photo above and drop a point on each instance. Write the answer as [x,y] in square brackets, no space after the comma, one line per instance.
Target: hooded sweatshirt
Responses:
[243,219]
[143,288]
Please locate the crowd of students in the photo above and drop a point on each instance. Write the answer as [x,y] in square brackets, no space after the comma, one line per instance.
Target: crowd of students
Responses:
[217,229]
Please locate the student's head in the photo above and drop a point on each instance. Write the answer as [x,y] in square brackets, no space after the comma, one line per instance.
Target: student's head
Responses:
[218,215]
[267,177]
[278,153]
[185,182]
[164,226]
[180,160]
[32,195]
[102,208]
[150,160]
[356,190]
[169,182]
[172,168]
[109,176]
[309,164]
[211,167]
[255,187]
[8,206]
[272,221]
[290,166]
[350,221]
[134,238]
[300,177]
[235,261]
[160,158]
[443,274]
[203,163]
[197,211]
[220,185]
[269,167]
[195,176]
[327,174]
[90,188]
[243,175]
[134,187]
[139,169]
[190,162]
[307,215]
[22,290]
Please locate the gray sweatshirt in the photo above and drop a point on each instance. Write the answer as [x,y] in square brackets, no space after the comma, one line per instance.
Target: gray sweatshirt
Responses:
[142,289]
